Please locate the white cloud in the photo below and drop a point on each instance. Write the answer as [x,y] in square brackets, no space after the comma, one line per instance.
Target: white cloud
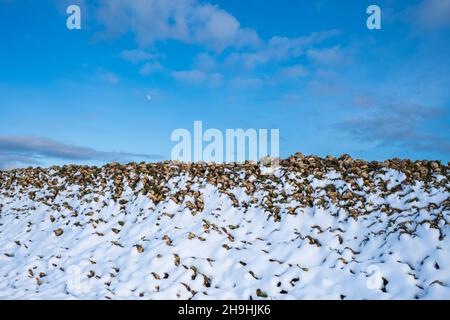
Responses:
[244,83]
[215,79]
[197,77]
[326,74]
[292,72]
[137,55]
[201,23]
[278,49]
[399,124]
[219,29]
[430,14]
[190,76]
[205,62]
[248,60]
[17,151]
[333,56]
[188,21]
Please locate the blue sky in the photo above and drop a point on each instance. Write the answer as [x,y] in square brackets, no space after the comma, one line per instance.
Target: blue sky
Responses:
[312,69]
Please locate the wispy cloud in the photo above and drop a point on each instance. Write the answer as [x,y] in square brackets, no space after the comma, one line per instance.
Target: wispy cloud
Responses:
[429,15]
[293,72]
[188,21]
[205,62]
[228,48]
[137,55]
[244,83]
[29,150]
[399,125]
[197,77]
[278,49]
[334,56]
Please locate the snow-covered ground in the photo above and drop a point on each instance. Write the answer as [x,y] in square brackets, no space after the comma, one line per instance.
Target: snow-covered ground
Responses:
[173,231]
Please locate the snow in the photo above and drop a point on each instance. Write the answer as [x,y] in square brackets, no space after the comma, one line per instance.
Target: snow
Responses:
[225,251]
